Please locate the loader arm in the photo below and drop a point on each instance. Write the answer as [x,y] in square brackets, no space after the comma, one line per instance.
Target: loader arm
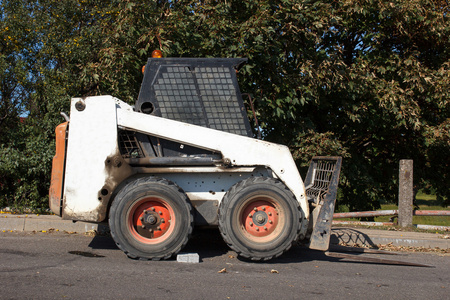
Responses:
[236,150]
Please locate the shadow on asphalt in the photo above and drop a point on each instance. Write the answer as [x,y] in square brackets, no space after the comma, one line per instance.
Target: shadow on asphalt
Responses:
[103,242]
[351,236]
[208,243]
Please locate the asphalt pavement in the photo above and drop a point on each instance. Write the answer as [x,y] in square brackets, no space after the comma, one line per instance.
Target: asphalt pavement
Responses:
[350,236]
[78,266]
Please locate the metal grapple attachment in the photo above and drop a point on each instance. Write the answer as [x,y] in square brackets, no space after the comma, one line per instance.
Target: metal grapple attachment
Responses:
[321,185]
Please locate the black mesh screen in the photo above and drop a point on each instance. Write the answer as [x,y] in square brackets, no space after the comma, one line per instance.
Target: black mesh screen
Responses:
[202,92]
[176,93]
[128,145]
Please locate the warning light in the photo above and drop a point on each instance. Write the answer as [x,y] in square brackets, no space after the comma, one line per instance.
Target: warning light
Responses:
[157,54]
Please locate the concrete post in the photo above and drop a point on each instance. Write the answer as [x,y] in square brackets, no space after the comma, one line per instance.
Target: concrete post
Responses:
[405,193]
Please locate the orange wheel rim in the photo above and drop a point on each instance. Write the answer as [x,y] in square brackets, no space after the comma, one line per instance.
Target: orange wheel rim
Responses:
[259,219]
[151,220]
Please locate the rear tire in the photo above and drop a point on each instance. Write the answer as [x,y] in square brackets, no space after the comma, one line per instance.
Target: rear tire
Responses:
[151,218]
[259,218]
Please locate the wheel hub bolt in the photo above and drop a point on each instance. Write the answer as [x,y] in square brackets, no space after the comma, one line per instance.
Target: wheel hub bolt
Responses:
[257,229]
[163,221]
[153,209]
[270,221]
[151,220]
[250,215]
[270,213]
[255,209]
[264,209]
[251,223]
[265,228]
[143,226]
[260,219]
[160,212]
[158,228]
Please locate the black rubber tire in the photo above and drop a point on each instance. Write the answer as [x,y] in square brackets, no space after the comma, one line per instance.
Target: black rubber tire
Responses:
[249,206]
[136,201]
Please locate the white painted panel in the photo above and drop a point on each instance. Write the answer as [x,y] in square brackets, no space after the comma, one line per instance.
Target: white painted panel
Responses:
[92,138]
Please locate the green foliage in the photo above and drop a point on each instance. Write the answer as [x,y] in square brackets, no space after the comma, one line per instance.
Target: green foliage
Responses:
[368,80]
[23,169]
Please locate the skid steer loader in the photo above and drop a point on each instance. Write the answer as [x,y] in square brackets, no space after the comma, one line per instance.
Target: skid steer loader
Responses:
[184,156]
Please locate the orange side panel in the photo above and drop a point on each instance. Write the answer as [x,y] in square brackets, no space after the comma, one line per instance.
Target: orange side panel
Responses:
[57,180]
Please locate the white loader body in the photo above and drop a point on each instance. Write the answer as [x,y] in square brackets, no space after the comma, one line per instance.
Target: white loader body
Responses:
[93,146]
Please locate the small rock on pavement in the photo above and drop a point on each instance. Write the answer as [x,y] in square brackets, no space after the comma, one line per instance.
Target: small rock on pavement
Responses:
[188,258]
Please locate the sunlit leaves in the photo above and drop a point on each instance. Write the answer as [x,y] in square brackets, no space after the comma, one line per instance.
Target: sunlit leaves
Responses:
[365,79]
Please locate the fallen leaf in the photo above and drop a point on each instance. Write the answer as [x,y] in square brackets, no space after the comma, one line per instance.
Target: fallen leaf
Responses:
[274,271]
[224,270]
[91,233]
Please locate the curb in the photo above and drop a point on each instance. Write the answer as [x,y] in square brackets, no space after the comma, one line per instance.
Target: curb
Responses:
[340,235]
[30,223]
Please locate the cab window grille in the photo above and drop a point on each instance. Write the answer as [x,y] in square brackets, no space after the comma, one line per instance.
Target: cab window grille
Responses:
[203,92]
